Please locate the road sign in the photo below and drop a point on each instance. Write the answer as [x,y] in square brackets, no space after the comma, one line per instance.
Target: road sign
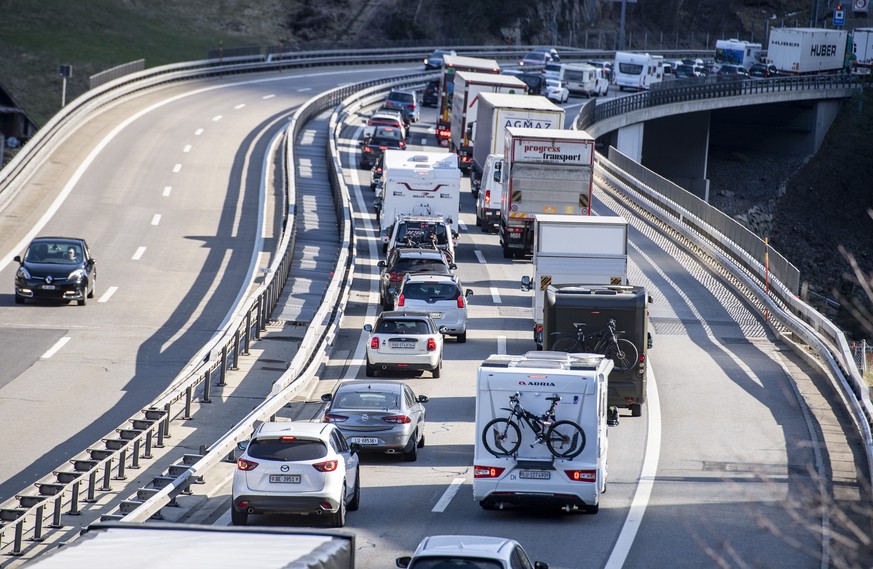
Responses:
[860,6]
[839,17]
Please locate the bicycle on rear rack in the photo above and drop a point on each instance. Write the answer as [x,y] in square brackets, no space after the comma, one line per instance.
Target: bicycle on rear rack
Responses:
[609,342]
[502,436]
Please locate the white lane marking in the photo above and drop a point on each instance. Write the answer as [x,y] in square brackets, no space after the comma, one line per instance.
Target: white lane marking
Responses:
[139,253]
[167,190]
[479,255]
[495,296]
[240,106]
[423,141]
[177,168]
[462,225]
[217,118]
[187,148]
[108,294]
[647,477]
[54,349]
[304,89]
[501,345]
[156,219]
[198,132]
[265,97]
[448,495]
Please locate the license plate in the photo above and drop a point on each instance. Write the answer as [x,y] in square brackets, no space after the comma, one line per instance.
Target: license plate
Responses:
[49,287]
[285,478]
[403,345]
[535,474]
[364,440]
[436,315]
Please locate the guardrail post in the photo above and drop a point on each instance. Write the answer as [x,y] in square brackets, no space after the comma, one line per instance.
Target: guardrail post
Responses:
[16,544]
[223,375]
[107,472]
[248,334]
[37,524]
[207,386]
[260,323]
[56,514]
[147,452]
[92,483]
[235,363]
[166,421]
[121,464]
[134,459]
[74,500]
[189,394]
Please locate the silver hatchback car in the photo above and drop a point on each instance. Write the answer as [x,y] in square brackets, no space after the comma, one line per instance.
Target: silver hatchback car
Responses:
[379,416]
[441,296]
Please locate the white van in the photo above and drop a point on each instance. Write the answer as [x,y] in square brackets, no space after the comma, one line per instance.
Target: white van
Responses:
[585,79]
[490,193]
[637,71]
[564,396]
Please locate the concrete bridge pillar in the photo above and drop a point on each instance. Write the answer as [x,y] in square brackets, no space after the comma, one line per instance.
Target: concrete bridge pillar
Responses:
[677,148]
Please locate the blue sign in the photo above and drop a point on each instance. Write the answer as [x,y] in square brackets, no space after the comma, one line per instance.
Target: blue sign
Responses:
[839,18]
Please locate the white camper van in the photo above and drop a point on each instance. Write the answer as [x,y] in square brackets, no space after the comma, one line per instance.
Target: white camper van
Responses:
[541,423]
[637,71]
[585,79]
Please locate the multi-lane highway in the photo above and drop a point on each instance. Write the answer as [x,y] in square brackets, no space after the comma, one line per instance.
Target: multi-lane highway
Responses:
[736,452]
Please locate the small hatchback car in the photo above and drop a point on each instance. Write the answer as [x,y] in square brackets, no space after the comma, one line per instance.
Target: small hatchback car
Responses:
[56,268]
[401,261]
[403,340]
[404,99]
[473,551]
[380,416]
[441,297]
[296,467]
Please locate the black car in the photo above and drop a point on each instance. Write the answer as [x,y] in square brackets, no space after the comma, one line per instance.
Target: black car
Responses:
[430,95]
[732,72]
[763,70]
[56,268]
[402,261]
[435,59]
[376,141]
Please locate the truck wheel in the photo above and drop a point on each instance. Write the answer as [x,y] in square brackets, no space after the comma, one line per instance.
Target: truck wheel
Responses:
[636,409]
[507,252]
[462,338]
[478,221]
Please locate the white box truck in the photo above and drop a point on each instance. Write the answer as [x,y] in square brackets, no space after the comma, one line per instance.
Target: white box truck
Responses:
[801,51]
[544,171]
[418,183]
[465,106]
[575,250]
[862,40]
[451,65]
[541,431]
[497,111]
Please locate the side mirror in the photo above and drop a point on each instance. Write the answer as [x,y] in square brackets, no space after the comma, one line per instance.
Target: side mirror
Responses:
[380,264]
[525,283]
[452,266]
[469,292]
[242,445]
[612,417]
[422,399]
[327,397]
[541,565]
[355,448]
[360,143]
[368,327]
[443,330]
[649,299]
[404,561]
[455,234]
[17,259]
[649,341]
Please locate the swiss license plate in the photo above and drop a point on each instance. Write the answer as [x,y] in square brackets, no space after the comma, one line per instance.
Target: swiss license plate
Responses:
[403,345]
[364,440]
[49,287]
[535,474]
[285,478]
[436,315]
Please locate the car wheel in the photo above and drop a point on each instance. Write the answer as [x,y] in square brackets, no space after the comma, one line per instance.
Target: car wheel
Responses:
[238,517]
[19,299]
[355,502]
[438,369]
[636,409]
[93,286]
[592,509]
[338,518]
[478,221]
[370,369]
[411,455]
[421,441]
[462,338]
[82,301]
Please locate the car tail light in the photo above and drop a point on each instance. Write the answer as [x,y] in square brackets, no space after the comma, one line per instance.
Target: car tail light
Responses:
[487,197]
[374,343]
[383,148]
[367,149]
[334,418]
[402,144]
[246,465]
[582,475]
[401,300]
[460,301]
[326,466]
[394,277]
[487,471]
[515,230]
[431,344]
[397,419]
[412,107]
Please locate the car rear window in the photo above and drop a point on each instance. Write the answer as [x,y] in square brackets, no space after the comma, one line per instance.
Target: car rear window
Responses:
[403,327]
[454,563]
[368,400]
[402,97]
[287,449]
[407,265]
[431,291]
[421,231]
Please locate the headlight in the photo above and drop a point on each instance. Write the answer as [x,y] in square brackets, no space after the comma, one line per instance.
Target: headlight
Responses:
[23,273]
[77,275]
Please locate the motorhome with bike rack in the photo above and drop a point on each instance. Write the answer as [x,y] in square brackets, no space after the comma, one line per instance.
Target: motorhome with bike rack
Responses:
[607,319]
[541,431]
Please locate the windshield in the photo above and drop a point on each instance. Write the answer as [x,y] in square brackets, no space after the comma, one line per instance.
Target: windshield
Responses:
[54,253]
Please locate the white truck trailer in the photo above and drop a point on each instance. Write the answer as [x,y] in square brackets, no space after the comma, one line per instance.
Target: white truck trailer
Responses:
[544,172]
[862,40]
[451,65]
[802,51]
[418,183]
[575,250]
[497,111]
[566,464]
[465,106]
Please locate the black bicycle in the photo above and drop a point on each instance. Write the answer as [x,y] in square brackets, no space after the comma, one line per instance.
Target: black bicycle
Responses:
[502,436]
[609,342]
